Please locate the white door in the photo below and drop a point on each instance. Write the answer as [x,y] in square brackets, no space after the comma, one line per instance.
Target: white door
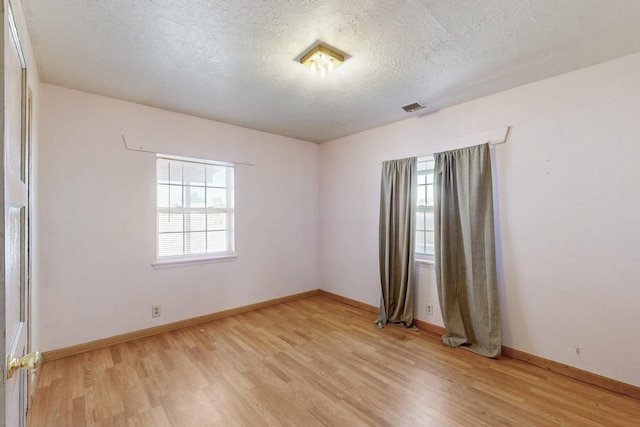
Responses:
[15,212]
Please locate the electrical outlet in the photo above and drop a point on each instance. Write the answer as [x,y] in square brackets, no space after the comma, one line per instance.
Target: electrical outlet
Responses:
[429,309]
[155,311]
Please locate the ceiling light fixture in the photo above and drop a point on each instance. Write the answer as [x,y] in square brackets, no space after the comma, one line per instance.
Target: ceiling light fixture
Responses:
[322,59]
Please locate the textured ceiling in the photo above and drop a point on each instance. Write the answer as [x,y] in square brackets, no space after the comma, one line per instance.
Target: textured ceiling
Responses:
[234,61]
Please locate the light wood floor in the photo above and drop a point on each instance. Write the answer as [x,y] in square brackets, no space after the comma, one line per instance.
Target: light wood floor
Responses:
[312,362]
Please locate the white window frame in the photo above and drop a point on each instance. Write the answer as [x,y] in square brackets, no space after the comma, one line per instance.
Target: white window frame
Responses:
[228,254]
[423,256]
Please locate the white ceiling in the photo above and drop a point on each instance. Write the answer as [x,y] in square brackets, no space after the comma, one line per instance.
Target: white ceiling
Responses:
[234,61]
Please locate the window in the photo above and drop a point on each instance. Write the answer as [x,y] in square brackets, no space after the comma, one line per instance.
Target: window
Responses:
[195,209]
[424,209]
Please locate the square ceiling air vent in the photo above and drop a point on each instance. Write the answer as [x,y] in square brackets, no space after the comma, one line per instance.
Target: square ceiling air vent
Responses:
[412,107]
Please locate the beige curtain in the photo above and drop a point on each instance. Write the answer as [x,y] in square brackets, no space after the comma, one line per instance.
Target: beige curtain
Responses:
[465,250]
[396,242]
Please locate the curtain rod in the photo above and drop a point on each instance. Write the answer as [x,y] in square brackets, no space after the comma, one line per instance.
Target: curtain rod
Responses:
[142,150]
[492,141]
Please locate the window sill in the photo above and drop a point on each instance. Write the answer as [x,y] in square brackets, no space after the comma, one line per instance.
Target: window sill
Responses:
[425,262]
[185,262]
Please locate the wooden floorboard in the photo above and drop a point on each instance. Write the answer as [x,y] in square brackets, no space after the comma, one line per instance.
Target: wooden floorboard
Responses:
[310,362]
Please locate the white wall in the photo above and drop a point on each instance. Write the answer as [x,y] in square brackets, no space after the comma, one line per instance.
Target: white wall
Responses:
[569,208]
[97,219]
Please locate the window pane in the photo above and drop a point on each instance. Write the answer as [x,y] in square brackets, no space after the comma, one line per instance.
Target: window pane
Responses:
[419,242]
[194,197]
[169,196]
[217,241]
[429,239]
[428,221]
[421,179]
[162,169]
[195,222]
[168,222]
[429,246]
[216,176]
[163,196]
[421,195]
[217,221]
[170,244]
[216,198]
[194,174]
[169,171]
[175,172]
[195,243]
[175,196]
[430,177]
[420,222]
[424,243]
[429,190]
